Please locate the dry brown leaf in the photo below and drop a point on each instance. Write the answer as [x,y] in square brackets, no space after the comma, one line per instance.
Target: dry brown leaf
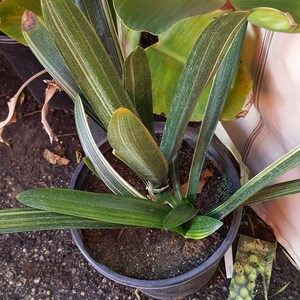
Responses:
[50,91]
[22,98]
[55,159]
[11,118]
[78,156]
[247,105]
[205,175]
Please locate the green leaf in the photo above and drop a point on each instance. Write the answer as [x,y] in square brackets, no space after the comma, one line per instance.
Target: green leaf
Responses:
[86,57]
[201,227]
[102,207]
[101,166]
[134,144]
[98,14]
[167,59]
[265,14]
[180,214]
[276,169]
[158,16]
[29,219]
[42,45]
[129,39]
[275,191]
[273,19]
[202,64]
[213,110]
[137,81]
[11,12]
[174,177]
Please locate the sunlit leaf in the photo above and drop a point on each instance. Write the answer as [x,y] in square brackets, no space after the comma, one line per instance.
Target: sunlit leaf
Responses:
[277,15]
[158,16]
[134,144]
[273,19]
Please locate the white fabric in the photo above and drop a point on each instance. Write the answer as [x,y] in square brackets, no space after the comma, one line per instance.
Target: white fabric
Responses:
[272,126]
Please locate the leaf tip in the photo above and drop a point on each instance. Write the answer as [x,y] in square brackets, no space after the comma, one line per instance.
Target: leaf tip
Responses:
[121,110]
[29,20]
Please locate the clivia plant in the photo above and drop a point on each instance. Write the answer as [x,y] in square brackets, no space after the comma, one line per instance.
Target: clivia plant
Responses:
[78,46]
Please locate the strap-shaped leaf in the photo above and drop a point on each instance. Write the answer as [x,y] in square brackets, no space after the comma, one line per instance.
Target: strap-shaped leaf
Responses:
[98,14]
[86,57]
[213,110]
[202,64]
[42,45]
[101,166]
[275,15]
[201,227]
[102,207]
[137,81]
[167,59]
[276,169]
[134,144]
[11,12]
[180,214]
[174,177]
[158,16]
[275,191]
[29,219]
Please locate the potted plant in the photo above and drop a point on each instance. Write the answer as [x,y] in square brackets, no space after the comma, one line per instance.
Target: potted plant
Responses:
[69,47]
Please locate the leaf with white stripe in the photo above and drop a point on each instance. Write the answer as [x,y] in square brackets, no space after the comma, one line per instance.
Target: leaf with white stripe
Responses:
[30,219]
[273,171]
[201,66]
[98,14]
[101,166]
[137,81]
[42,46]
[110,208]
[86,58]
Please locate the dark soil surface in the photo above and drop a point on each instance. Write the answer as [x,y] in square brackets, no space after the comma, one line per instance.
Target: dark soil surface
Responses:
[47,265]
[155,254]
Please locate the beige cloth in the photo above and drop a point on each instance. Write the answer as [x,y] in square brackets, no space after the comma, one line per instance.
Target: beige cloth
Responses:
[272,126]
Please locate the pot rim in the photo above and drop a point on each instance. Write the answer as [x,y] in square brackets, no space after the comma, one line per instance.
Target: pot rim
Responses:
[144,284]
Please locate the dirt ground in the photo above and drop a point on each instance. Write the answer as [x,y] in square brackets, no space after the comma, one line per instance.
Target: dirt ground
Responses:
[47,265]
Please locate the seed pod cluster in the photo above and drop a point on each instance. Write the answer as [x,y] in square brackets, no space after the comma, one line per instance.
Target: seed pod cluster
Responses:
[243,284]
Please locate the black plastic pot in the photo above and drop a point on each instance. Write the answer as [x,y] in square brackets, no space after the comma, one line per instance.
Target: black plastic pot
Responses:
[193,280]
[26,65]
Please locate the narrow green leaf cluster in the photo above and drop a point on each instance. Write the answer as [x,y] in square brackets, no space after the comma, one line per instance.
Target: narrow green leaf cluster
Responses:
[78,45]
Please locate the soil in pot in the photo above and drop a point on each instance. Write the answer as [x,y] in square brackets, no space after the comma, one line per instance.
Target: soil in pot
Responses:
[150,253]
